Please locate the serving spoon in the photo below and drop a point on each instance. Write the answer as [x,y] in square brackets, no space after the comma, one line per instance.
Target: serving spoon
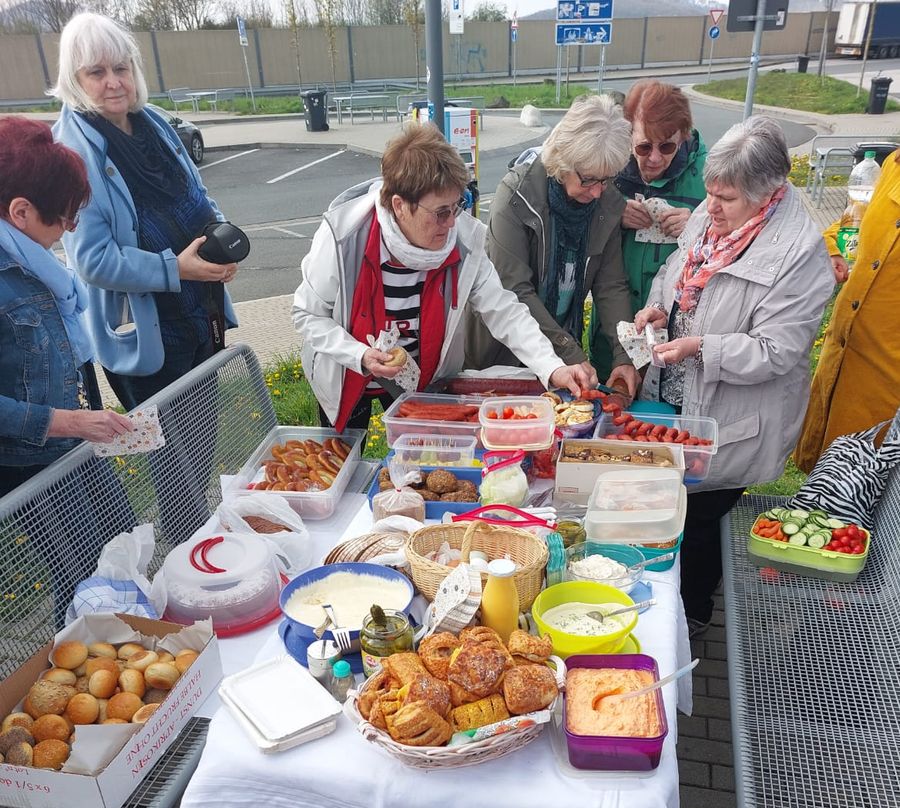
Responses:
[649,689]
[600,617]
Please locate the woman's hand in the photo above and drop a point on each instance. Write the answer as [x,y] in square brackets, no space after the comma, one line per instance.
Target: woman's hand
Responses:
[626,374]
[674,220]
[678,349]
[635,216]
[652,315]
[374,362]
[574,378]
[840,267]
[191,267]
[100,426]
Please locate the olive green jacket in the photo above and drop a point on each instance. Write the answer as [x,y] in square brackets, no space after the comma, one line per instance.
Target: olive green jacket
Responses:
[519,246]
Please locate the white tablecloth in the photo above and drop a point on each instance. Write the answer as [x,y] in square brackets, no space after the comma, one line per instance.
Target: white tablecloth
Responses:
[344,770]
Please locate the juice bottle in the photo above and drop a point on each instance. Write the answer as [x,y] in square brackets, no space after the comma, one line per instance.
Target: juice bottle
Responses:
[500,599]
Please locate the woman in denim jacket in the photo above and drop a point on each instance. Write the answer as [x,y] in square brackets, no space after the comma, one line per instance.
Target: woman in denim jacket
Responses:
[49,398]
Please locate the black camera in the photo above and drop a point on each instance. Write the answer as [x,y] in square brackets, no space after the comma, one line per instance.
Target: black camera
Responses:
[225,243]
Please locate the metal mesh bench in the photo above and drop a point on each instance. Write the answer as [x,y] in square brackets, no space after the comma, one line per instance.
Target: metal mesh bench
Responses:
[814,668]
[53,527]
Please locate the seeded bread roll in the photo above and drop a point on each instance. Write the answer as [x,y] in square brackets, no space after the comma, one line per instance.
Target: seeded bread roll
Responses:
[50,754]
[17,720]
[51,727]
[13,736]
[45,698]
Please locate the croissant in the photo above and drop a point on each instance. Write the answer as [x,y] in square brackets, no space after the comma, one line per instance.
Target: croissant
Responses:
[435,652]
[534,649]
[479,713]
[417,724]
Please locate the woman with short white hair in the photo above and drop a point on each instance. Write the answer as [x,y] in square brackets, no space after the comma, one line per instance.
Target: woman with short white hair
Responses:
[155,306]
[554,236]
[741,300]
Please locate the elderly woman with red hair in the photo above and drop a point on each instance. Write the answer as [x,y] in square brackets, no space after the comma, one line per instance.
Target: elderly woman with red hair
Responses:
[667,159]
[49,399]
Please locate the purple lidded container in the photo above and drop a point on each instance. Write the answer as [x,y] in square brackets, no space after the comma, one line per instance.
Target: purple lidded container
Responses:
[612,753]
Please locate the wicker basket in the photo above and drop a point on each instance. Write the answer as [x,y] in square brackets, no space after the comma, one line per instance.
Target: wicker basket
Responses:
[449,757]
[527,550]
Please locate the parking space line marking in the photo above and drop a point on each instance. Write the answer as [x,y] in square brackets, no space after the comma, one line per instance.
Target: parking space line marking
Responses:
[288,232]
[303,168]
[226,159]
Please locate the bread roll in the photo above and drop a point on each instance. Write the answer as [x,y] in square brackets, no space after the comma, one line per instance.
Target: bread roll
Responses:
[69,655]
[81,684]
[103,663]
[165,656]
[45,698]
[13,736]
[184,659]
[123,705]
[62,676]
[113,721]
[50,754]
[141,716]
[20,754]
[103,684]
[128,649]
[141,660]
[17,720]
[83,709]
[132,681]
[155,696]
[398,359]
[51,727]
[102,704]
[162,675]
[103,649]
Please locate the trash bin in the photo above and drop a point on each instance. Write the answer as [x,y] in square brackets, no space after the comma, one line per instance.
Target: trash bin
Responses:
[882,149]
[315,110]
[878,94]
[802,63]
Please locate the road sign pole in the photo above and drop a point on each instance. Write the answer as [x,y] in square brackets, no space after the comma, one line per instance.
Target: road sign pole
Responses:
[712,48]
[754,57]
[602,68]
[514,61]
[434,59]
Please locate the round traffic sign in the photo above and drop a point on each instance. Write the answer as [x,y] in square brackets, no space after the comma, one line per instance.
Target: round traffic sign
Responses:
[714,32]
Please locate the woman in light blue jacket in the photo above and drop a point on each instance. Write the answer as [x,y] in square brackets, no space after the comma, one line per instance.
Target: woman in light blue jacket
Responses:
[154,302]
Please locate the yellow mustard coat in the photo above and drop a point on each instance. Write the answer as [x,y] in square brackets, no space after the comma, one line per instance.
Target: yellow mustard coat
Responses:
[857,382]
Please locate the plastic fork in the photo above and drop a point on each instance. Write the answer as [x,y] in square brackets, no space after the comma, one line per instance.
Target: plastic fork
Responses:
[341,635]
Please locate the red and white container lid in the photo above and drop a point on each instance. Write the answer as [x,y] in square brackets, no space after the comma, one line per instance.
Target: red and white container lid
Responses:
[229,577]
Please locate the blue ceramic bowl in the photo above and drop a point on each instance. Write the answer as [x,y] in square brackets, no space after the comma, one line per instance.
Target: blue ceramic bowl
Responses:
[319,573]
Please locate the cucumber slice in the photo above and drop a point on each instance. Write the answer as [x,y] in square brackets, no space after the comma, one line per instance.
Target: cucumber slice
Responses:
[818,512]
[798,539]
[791,529]
[818,541]
[772,515]
[800,514]
[818,521]
[834,524]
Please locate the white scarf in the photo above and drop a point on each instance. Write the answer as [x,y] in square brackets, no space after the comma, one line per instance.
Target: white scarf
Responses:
[408,254]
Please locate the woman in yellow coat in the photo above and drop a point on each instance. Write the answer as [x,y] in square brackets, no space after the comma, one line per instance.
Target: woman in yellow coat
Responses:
[857,382]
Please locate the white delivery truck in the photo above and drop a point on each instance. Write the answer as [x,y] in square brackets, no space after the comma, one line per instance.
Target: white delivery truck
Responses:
[853,26]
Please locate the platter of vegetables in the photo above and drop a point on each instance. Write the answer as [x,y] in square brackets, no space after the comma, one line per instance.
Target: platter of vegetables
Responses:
[814,529]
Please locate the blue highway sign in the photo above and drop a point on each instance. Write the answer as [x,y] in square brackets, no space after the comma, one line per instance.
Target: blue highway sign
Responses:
[714,32]
[584,34]
[585,10]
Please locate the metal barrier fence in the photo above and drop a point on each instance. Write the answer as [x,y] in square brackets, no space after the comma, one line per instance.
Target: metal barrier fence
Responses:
[53,527]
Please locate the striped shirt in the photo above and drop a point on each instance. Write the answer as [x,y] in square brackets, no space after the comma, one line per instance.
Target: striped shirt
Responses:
[402,303]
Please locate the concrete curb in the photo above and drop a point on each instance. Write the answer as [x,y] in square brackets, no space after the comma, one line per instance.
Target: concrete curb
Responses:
[814,119]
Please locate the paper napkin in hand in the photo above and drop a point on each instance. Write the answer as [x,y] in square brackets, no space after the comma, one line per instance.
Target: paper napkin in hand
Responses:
[146,436]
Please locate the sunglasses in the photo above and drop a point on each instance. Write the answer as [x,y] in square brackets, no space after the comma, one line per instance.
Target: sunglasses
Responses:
[590,182]
[443,215]
[645,149]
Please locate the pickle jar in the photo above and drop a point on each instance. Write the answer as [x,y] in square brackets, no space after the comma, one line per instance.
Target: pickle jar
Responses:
[572,532]
[384,632]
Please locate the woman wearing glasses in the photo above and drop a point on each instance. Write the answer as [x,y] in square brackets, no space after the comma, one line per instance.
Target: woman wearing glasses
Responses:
[554,237]
[396,250]
[667,159]
[49,399]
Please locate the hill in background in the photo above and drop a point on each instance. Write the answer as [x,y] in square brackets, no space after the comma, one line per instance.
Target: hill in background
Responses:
[677,8]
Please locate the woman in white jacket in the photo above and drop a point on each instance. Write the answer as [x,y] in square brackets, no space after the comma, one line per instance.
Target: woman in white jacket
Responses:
[741,300]
[396,250]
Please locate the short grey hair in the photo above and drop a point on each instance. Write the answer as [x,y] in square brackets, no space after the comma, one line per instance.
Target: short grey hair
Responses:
[89,39]
[593,138]
[751,157]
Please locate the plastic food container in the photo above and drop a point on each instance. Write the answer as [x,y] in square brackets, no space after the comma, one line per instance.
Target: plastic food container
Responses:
[396,425]
[309,504]
[697,459]
[529,433]
[436,450]
[617,753]
[229,577]
[435,509]
[565,644]
[636,506]
[808,561]
[621,553]
[655,552]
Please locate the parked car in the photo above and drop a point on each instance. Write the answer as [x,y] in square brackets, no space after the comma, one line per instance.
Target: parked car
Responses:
[189,134]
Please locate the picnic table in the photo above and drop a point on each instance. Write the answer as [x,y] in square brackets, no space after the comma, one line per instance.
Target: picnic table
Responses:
[361,101]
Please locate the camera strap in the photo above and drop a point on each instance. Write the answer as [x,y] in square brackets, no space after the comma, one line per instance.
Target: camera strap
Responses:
[215,307]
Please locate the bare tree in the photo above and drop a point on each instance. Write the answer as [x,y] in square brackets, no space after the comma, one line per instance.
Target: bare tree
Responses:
[384,12]
[153,15]
[297,17]
[489,11]
[329,14]
[356,12]
[191,14]
[52,15]
[414,17]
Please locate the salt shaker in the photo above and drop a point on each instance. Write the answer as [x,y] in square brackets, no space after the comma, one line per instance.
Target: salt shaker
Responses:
[320,656]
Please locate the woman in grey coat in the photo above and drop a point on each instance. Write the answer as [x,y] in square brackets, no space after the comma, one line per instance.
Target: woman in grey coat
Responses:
[741,299]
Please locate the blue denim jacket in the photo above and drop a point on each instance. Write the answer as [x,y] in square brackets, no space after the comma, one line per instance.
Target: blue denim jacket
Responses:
[37,369]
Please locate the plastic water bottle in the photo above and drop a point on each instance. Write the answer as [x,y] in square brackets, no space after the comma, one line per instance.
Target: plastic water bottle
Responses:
[860,188]
[342,680]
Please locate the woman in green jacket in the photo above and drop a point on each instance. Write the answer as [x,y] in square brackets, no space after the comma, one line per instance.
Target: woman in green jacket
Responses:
[667,159]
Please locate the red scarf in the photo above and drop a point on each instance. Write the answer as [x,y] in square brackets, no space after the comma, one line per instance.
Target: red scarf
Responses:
[367,317]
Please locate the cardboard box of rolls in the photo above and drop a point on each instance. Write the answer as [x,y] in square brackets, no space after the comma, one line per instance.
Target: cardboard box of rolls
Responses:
[85,719]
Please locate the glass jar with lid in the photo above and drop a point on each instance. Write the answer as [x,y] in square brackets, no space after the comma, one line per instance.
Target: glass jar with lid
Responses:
[384,632]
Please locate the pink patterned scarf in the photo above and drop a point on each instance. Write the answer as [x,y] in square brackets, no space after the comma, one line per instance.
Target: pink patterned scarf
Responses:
[709,253]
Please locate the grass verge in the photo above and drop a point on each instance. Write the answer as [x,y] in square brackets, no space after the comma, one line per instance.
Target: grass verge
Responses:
[802,91]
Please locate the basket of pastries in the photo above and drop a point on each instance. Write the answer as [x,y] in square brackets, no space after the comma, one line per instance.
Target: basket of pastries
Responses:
[458,683]
[527,550]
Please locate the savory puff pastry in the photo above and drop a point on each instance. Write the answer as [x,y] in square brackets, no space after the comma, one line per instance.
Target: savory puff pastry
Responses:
[486,636]
[479,713]
[527,688]
[534,649]
[403,667]
[478,668]
[430,691]
[435,652]
[417,724]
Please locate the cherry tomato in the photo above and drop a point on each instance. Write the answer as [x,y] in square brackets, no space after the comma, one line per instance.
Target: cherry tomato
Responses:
[532,415]
[858,550]
[508,412]
[492,414]
[839,533]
